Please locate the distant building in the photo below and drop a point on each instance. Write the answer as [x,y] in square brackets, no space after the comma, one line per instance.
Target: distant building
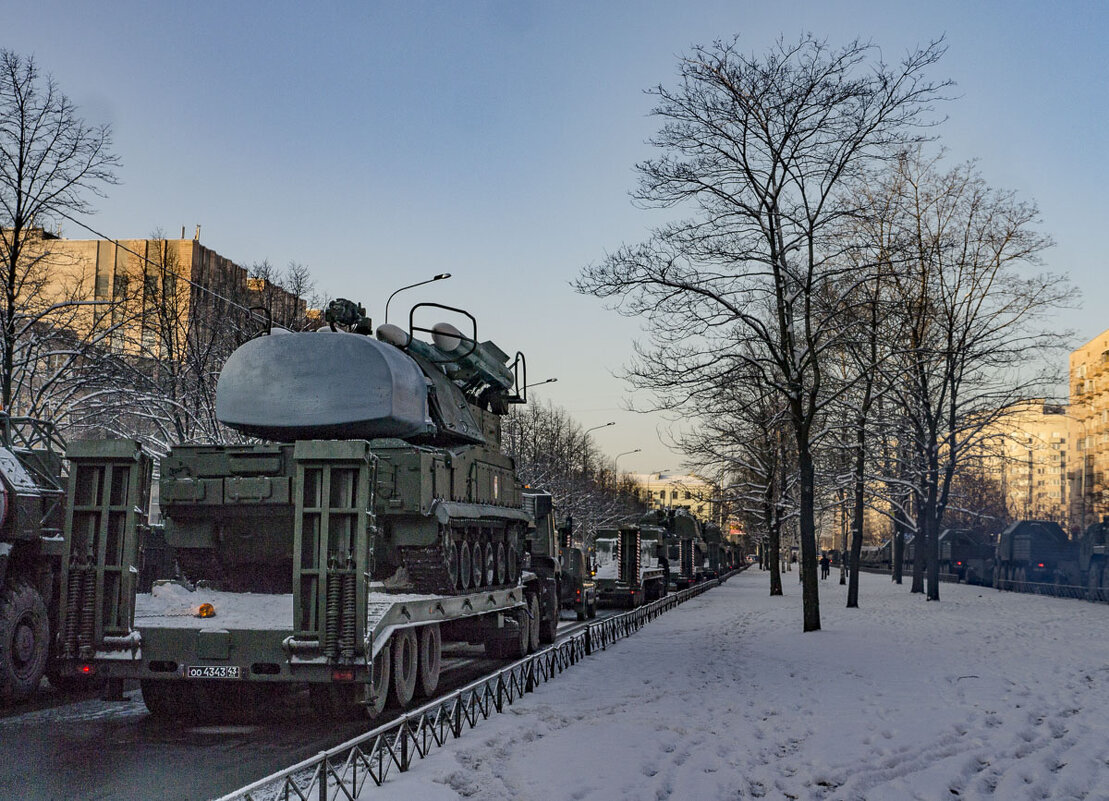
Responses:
[1028,454]
[1089,405]
[665,490]
[151,274]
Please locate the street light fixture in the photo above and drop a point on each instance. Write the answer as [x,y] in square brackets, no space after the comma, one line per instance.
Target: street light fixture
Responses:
[571,496]
[438,277]
[616,468]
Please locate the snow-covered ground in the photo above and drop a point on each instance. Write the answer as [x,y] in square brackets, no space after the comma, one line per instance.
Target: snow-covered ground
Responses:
[983,695]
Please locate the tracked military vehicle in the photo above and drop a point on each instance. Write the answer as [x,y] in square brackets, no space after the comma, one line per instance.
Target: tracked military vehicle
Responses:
[380,518]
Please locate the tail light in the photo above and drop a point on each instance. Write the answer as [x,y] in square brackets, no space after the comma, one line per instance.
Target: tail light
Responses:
[86,670]
[1041,564]
[342,675]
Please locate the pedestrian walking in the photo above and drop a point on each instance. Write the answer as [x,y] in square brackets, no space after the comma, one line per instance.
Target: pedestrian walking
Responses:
[825,566]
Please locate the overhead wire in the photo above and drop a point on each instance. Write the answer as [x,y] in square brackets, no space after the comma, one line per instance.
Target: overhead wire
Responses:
[249,310]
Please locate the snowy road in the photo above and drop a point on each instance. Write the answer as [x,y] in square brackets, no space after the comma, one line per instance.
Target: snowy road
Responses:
[984,695]
[78,748]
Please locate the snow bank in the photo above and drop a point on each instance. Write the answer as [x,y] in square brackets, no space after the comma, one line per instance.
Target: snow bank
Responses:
[982,695]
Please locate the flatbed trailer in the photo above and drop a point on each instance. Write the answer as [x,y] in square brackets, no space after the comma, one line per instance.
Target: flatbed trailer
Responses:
[634,574]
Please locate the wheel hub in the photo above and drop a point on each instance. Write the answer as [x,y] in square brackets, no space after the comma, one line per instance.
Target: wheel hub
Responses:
[23,642]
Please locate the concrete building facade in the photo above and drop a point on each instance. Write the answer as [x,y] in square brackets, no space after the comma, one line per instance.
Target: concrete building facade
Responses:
[1089,406]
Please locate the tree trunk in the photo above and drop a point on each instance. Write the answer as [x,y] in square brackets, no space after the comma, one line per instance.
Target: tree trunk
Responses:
[897,550]
[774,557]
[810,589]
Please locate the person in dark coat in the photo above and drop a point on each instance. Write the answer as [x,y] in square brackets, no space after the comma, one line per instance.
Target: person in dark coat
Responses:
[825,566]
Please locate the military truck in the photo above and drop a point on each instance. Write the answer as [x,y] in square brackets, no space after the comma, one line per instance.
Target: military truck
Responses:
[683,543]
[31,516]
[1033,551]
[379,518]
[630,567]
[579,590]
[967,554]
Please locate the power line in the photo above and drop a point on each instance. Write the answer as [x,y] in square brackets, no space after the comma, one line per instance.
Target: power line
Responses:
[188,281]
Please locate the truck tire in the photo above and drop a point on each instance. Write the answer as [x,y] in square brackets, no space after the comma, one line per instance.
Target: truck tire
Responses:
[548,626]
[591,610]
[582,613]
[24,641]
[406,660]
[379,683]
[534,623]
[431,658]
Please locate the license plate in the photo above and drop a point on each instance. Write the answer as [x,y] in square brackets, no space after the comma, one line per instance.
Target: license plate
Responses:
[213,672]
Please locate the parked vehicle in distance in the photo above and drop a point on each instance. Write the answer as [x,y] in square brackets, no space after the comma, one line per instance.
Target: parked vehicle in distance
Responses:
[579,590]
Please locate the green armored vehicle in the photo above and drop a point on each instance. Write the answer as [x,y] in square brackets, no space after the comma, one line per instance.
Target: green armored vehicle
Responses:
[31,516]
[380,519]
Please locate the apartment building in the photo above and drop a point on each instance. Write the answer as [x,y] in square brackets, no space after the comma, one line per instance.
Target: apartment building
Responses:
[1029,454]
[1089,406]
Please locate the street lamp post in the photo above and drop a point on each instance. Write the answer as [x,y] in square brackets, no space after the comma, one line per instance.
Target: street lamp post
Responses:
[438,277]
[583,436]
[616,469]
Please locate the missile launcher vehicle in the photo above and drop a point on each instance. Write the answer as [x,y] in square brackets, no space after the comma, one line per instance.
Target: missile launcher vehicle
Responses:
[378,518]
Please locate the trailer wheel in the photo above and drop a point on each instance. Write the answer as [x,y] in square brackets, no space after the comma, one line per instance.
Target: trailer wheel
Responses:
[406,660]
[534,622]
[548,626]
[24,641]
[431,658]
[511,564]
[591,611]
[379,683]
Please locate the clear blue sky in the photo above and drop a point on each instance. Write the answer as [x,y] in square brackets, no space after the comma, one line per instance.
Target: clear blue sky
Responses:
[382,142]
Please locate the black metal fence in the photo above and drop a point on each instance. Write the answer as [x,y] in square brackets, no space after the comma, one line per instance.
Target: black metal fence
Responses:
[342,772]
[1048,588]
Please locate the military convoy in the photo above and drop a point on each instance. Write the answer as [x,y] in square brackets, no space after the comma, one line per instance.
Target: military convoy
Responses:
[379,518]
[369,515]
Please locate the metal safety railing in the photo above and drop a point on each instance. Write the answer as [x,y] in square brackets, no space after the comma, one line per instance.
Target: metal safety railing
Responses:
[1051,589]
[341,772]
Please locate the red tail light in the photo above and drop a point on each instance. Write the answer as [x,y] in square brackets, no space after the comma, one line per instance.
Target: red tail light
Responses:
[1041,564]
[342,675]
[87,670]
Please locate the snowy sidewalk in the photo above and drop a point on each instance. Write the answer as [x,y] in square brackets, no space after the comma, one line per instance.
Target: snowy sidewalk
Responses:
[982,695]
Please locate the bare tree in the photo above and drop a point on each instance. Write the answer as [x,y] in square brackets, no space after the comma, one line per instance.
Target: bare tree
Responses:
[764,150]
[553,453]
[970,316]
[50,162]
